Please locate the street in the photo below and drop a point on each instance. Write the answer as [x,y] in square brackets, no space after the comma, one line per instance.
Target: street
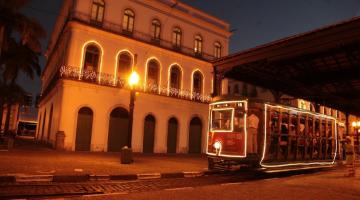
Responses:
[326,184]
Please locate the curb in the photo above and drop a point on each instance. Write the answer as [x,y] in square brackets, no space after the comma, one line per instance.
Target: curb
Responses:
[105,177]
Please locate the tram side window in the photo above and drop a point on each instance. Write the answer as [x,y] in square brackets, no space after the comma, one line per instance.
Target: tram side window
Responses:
[293,126]
[330,139]
[330,132]
[310,126]
[221,120]
[302,130]
[284,128]
[239,120]
[317,127]
[274,131]
[293,132]
[274,125]
[323,129]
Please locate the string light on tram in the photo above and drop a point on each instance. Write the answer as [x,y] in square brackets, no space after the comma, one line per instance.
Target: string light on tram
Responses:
[217,106]
[298,163]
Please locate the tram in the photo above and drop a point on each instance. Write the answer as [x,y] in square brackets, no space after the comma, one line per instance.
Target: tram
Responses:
[269,136]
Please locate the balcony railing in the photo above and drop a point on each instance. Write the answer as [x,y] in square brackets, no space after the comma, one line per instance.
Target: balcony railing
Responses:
[74,73]
[140,36]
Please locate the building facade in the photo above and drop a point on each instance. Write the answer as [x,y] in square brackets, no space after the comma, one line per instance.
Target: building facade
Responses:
[94,47]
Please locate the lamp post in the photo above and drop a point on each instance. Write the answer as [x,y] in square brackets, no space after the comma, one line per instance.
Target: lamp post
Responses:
[133,81]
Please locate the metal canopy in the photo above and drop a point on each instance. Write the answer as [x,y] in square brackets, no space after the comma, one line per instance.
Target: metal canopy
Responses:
[322,66]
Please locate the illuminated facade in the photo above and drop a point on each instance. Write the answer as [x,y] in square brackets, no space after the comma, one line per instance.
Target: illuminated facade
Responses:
[95,45]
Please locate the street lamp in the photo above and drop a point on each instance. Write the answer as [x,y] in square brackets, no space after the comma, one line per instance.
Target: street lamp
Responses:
[133,81]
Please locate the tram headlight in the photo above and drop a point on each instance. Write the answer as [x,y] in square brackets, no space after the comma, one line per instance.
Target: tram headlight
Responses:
[217,145]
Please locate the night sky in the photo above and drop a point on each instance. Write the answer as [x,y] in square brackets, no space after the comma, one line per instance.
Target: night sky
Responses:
[255,21]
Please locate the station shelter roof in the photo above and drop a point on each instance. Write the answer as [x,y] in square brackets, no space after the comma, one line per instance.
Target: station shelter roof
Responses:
[322,66]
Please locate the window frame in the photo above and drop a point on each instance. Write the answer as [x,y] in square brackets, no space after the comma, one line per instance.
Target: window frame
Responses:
[97,6]
[198,45]
[176,37]
[148,70]
[201,82]
[118,75]
[156,29]
[94,53]
[128,22]
[217,49]
[179,77]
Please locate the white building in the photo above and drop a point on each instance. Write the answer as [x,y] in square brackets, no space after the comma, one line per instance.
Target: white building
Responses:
[94,46]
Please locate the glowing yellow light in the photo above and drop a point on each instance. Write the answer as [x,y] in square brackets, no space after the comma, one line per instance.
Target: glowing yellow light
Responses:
[358,123]
[217,145]
[353,124]
[134,79]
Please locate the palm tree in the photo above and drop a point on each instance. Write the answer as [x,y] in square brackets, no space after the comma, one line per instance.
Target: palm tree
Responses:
[14,94]
[19,58]
[12,21]
[20,49]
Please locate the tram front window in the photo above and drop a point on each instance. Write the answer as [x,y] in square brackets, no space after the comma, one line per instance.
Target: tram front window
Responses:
[221,120]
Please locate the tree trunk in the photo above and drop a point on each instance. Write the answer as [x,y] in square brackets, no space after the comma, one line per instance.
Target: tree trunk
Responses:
[1,114]
[7,120]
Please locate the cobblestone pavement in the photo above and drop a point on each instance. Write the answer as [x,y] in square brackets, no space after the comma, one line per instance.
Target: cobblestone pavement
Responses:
[26,190]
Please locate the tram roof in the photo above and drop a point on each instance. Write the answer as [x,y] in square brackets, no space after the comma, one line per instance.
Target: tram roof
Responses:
[322,65]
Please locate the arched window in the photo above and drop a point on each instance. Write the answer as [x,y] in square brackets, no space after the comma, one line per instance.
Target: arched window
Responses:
[124,65]
[217,49]
[175,77]
[97,11]
[198,45]
[153,72]
[197,82]
[92,55]
[128,21]
[155,30]
[176,37]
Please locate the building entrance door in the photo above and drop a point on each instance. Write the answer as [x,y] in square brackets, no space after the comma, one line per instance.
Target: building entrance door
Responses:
[195,131]
[84,129]
[118,129]
[149,134]
[172,135]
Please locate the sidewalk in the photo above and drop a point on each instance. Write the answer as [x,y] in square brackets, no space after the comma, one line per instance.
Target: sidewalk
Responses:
[28,158]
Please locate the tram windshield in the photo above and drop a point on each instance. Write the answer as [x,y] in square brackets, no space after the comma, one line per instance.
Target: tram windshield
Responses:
[221,120]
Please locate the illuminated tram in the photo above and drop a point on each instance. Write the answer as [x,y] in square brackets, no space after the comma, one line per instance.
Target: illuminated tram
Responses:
[269,136]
